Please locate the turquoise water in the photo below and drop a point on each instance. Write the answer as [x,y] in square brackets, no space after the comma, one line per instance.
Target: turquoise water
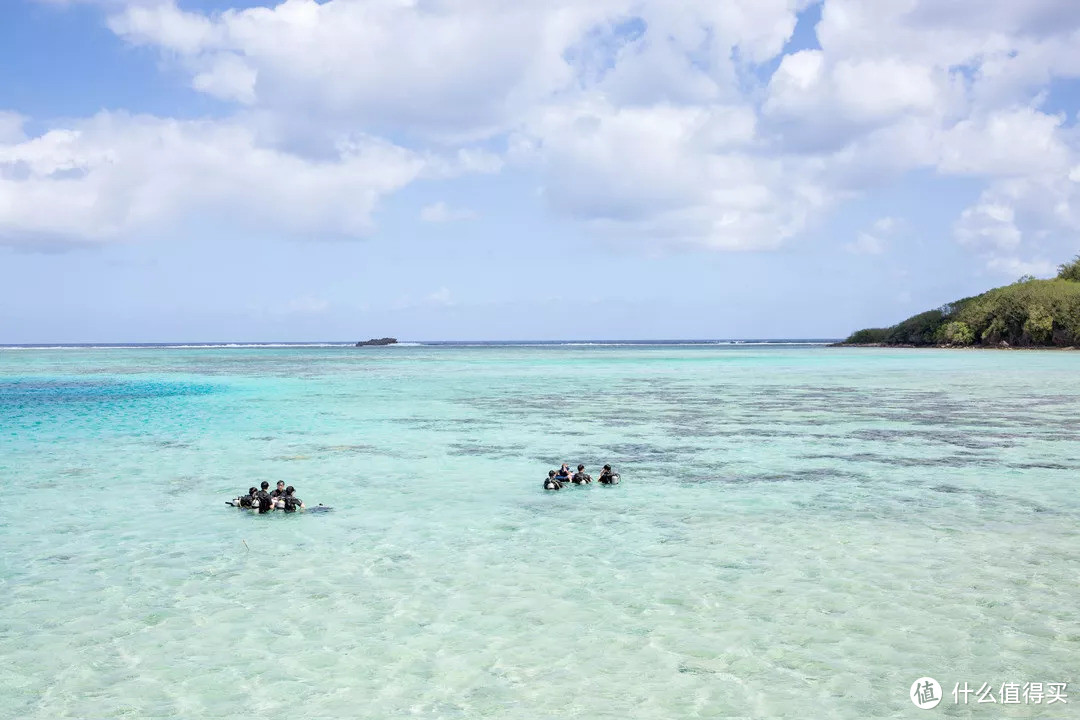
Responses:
[800,532]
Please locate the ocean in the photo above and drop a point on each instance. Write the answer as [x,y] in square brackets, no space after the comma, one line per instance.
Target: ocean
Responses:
[801,531]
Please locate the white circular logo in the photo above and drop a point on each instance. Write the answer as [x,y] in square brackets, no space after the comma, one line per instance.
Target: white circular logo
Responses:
[925,693]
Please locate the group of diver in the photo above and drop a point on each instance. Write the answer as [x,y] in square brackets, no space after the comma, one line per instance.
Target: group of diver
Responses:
[263,500]
[282,498]
[557,479]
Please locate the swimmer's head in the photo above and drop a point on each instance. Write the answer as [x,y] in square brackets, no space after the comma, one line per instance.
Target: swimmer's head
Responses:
[289,490]
[551,473]
[280,484]
[607,467]
[264,485]
[580,467]
[252,490]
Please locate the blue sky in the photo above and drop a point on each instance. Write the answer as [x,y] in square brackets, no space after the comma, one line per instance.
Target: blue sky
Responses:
[463,169]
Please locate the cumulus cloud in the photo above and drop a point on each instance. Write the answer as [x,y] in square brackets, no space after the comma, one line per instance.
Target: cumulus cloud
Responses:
[115,174]
[644,119]
[1019,221]
[863,91]
[1012,142]
[671,172]
[227,77]
[165,25]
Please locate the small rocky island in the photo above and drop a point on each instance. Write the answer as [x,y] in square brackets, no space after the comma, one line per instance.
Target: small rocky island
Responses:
[376,342]
[1028,313]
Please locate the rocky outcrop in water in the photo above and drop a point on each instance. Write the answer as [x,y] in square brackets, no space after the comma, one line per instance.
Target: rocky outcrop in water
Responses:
[377,341]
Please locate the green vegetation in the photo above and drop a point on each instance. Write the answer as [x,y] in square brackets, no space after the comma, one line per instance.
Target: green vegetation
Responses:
[870,336]
[1070,271]
[1028,313]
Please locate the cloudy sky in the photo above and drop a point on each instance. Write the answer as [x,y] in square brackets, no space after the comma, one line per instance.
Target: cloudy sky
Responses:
[184,170]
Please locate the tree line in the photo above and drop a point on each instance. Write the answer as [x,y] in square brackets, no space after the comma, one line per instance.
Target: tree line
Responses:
[1028,313]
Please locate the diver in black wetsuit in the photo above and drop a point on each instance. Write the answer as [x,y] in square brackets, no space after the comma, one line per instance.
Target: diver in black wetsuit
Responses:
[247,501]
[551,483]
[581,477]
[263,501]
[608,476]
[563,476]
[277,496]
[291,503]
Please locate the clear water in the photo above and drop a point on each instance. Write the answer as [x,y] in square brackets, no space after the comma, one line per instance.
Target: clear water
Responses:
[800,532]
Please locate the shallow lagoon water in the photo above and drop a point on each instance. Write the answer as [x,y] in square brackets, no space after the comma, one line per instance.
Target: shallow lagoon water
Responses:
[800,532]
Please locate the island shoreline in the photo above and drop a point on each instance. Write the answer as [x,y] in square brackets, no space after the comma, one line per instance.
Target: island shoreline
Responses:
[909,346]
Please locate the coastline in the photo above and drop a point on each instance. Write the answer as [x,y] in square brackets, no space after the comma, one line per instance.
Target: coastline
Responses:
[953,347]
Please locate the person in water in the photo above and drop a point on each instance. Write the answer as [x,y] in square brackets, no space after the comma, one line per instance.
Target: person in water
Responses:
[581,477]
[563,476]
[290,503]
[278,496]
[263,501]
[551,483]
[608,476]
[248,501]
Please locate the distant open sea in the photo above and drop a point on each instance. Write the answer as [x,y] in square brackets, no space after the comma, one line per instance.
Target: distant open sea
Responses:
[801,531]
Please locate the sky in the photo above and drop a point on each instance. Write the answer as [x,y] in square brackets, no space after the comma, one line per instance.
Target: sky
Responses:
[233,170]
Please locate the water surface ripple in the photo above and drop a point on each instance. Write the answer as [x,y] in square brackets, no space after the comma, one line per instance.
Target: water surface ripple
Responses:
[801,531]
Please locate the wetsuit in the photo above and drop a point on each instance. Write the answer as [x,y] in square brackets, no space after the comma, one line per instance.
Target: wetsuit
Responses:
[292,503]
[264,502]
[608,477]
[581,478]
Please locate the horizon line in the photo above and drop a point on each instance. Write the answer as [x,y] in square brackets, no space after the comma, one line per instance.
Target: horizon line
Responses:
[415,342]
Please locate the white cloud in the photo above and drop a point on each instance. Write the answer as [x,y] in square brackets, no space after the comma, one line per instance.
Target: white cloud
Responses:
[440,212]
[1015,141]
[460,68]
[863,91]
[988,225]
[115,174]
[228,78]
[645,119]
[166,25]
[675,173]
[1019,221]
[11,127]
[1016,268]
[874,90]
